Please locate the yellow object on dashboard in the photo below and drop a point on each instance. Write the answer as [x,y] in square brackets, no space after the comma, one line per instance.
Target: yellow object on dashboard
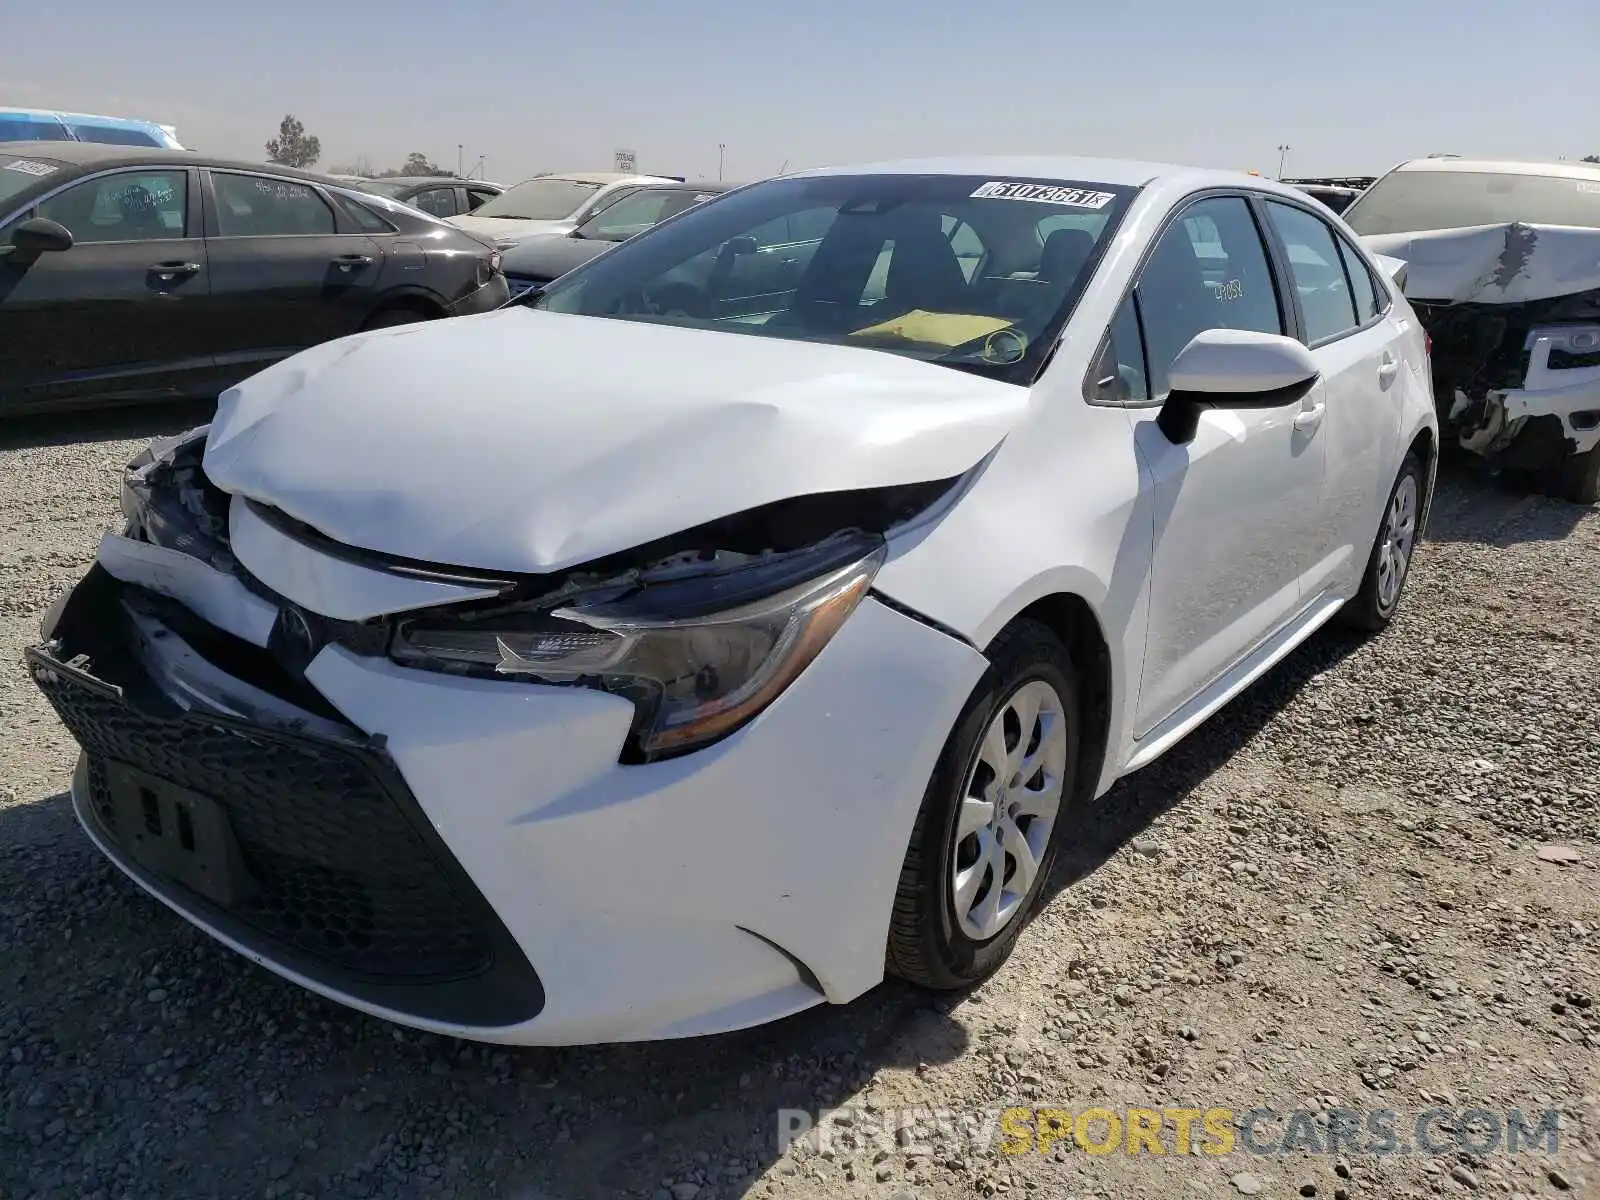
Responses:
[936,329]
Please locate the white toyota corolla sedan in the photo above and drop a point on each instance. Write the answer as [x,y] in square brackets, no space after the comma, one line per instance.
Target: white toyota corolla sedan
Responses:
[756,610]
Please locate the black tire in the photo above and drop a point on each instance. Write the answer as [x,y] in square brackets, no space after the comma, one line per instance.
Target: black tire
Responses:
[1579,477]
[926,944]
[1366,611]
[386,318]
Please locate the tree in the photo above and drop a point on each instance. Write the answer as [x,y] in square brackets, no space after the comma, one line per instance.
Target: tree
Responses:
[1595,158]
[417,163]
[293,147]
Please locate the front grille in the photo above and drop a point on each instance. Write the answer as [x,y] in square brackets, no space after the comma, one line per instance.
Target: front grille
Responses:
[343,876]
[348,883]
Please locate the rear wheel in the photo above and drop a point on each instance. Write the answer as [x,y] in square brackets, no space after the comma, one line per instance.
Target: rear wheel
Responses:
[1389,565]
[988,832]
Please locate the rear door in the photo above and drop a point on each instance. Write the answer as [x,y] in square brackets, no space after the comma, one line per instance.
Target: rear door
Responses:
[123,312]
[1358,352]
[288,270]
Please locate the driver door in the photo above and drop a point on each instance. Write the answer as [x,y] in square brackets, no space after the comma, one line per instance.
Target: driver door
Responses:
[1236,509]
[122,313]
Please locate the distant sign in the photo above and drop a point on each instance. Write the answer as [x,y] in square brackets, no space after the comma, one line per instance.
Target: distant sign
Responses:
[624,160]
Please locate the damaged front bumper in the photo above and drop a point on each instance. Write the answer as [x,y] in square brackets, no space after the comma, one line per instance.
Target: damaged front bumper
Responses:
[1562,382]
[472,855]
[1560,389]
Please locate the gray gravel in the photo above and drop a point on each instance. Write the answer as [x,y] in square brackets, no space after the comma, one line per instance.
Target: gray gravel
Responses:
[1331,895]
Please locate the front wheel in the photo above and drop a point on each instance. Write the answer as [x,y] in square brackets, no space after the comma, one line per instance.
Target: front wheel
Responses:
[987,834]
[1374,606]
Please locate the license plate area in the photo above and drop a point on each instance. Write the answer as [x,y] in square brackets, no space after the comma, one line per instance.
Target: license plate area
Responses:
[179,835]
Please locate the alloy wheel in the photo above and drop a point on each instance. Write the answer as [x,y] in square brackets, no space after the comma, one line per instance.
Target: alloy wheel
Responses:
[1009,805]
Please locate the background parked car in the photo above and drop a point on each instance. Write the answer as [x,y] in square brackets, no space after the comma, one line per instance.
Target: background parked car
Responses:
[45,125]
[133,274]
[537,260]
[1503,268]
[442,196]
[1334,193]
[555,203]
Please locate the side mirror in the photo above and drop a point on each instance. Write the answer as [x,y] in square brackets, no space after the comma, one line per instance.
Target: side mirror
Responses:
[39,235]
[1233,368]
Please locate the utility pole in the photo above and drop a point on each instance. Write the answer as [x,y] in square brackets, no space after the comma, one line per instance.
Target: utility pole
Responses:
[1283,154]
[721,150]
[458,160]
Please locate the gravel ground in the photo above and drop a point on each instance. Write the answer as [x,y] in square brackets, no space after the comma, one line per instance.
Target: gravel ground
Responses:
[1332,896]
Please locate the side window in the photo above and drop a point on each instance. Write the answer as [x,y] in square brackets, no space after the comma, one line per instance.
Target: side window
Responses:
[812,225]
[1318,273]
[969,247]
[366,220]
[257,206]
[127,207]
[1209,270]
[1369,302]
[1119,375]
[441,202]
[24,128]
[111,135]
[474,198]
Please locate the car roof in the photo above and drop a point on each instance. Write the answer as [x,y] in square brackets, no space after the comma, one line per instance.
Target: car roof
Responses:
[1117,172]
[100,155]
[599,176]
[1505,166]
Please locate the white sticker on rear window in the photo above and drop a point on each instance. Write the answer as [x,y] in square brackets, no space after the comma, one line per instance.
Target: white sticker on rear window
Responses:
[1043,193]
[29,167]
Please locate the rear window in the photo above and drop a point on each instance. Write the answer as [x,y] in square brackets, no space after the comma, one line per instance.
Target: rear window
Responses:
[547,199]
[1409,201]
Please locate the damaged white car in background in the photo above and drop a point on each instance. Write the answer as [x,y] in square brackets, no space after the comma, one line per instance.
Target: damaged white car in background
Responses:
[743,615]
[1503,267]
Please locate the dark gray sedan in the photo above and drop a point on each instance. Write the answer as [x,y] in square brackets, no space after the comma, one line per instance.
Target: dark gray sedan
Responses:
[535,261]
[143,274]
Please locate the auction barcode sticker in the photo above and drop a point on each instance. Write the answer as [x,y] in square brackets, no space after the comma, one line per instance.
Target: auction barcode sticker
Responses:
[1043,193]
[29,167]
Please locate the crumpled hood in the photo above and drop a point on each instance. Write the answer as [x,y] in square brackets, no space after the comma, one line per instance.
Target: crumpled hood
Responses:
[1494,264]
[501,229]
[529,441]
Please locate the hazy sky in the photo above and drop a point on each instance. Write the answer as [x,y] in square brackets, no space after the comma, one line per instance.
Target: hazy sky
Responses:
[546,86]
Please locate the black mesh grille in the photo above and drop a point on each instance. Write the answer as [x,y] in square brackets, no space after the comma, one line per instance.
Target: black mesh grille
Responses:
[344,876]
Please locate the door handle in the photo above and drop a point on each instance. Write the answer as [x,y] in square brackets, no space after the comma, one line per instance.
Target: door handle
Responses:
[1388,368]
[1310,418]
[168,271]
[349,262]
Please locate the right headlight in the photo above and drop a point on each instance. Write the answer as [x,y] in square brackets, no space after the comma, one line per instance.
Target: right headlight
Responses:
[698,654]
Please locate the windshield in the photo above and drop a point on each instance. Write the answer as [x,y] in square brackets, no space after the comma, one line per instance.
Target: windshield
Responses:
[544,199]
[638,212]
[384,187]
[1408,201]
[19,174]
[965,271]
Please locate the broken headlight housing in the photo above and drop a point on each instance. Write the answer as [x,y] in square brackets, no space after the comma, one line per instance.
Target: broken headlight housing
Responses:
[699,654]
